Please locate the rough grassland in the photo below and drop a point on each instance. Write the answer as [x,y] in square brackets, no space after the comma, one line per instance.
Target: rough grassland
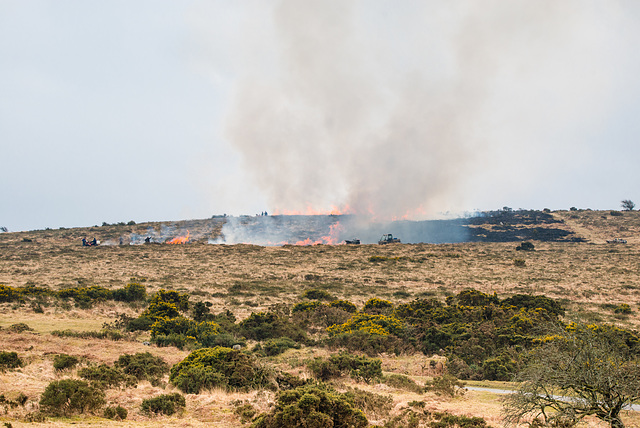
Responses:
[592,278]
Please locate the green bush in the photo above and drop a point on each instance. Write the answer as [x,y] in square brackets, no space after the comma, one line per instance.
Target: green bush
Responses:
[9,360]
[246,412]
[345,305]
[180,300]
[143,366]
[68,396]
[267,325]
[64,361]
[312,406]
[519,262]
[86,297]
[315,294]
[305,306]
[8,294]
[166,404]
[377,306]
[226,368]
[447,384]
[19,328]
[622,308]
[117,412]
[401,382]
[272,347]
[104,376]
[132,292]
[370,344]
[358,367]
[141,323]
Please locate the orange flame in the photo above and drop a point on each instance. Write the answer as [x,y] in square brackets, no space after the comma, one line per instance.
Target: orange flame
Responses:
[331,239]
[179,239]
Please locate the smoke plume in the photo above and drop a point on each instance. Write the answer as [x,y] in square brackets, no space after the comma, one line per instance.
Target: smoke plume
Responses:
[404,110]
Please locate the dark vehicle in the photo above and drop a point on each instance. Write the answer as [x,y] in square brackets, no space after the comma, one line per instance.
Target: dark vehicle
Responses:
[388,239]
[353,241]
[617,241]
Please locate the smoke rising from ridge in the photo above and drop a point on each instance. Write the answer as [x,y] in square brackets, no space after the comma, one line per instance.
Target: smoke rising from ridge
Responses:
[407,110]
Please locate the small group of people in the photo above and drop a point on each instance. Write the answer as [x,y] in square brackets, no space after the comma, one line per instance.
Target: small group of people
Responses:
[91,243]
[263,213]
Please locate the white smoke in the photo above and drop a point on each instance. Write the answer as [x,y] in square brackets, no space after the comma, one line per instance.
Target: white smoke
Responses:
[418,107]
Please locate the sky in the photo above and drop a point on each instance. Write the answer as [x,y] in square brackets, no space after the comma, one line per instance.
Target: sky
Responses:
[153,110]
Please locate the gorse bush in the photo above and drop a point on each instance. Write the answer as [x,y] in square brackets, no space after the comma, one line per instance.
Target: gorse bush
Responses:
[276,346]
[358,367]
[306,306]
[104,376]
[64,362]
[345,305]
[315,294]
[401,382]
[219,367]
[9,360]
[312,406]
[372,324]
[117,412]
[143,366]
[132,292]
[377,306]
[267,325]
[8,294]
[166,404]
[68,396]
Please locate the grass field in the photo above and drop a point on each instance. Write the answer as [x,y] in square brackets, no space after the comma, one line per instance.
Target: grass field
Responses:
[591,278]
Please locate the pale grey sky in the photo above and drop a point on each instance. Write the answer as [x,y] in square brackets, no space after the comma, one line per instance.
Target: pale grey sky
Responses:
[163,110]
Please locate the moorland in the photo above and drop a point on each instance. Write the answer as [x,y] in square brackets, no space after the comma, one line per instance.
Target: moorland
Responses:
[411,318]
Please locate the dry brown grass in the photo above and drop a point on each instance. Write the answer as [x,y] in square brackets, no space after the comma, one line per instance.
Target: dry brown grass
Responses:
[591,277]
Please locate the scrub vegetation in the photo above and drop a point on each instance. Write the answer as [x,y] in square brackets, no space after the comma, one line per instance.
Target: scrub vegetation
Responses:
[360,335]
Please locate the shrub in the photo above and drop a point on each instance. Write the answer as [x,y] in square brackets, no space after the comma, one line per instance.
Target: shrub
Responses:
[305,306]
[143,366]
[246,412]
[377,306]
[9,360]
[345,305]
[447,384]
[272,347]
[265,325]
[526,246]
[359,367]
[373,324]
[67,396]
[117,412]
[158,310]
[401,382]
[85,297]
[64,361]
[473,297]
[104,334]
[19,327]
[227,368]
[315,294]
[616,214]
[132,292]
[166,404]
[141,323]
[370,344]
[519,262]
[106,376]
[181,300]
[8,294]
[369,402]
[622,308]
[502,367]
[312,406]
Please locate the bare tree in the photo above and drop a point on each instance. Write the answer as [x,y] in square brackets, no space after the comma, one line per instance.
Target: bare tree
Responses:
[627,205]
[577,372]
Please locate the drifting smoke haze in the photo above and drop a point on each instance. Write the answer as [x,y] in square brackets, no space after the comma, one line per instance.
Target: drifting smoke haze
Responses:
[409,110]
